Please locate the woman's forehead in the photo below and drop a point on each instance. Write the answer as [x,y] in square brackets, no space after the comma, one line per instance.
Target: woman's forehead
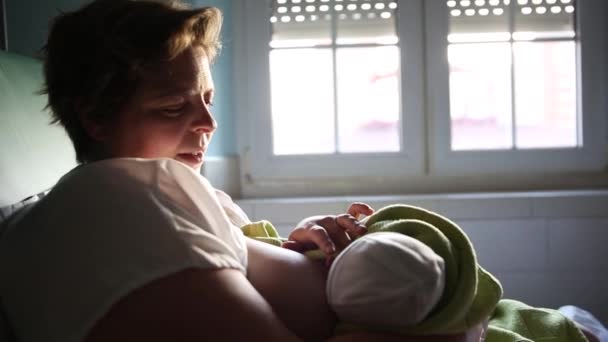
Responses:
[188,71]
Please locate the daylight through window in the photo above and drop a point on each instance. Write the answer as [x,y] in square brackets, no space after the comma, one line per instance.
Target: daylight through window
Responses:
[334,69]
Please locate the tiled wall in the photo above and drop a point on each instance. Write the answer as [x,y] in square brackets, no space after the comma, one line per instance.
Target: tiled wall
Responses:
[547,248]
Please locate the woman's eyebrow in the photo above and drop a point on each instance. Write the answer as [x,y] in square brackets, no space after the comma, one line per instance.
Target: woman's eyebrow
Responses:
[161,96]
[186,90]
[163,91]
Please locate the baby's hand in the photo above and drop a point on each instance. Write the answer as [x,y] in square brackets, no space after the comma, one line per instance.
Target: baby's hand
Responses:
[330,233]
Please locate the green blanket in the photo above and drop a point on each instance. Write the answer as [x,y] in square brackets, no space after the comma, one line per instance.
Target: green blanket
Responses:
[471,294]
[513,321]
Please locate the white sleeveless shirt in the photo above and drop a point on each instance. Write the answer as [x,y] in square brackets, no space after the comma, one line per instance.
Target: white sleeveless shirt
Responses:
[106,229]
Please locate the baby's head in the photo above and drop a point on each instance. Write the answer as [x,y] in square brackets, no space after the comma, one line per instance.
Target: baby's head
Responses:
[131,78]
[387,280]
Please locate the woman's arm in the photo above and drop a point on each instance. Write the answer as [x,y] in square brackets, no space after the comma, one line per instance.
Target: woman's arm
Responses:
[192,305]
[294,285]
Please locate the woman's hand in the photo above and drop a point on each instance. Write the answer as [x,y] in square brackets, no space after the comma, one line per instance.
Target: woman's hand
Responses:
[330,233]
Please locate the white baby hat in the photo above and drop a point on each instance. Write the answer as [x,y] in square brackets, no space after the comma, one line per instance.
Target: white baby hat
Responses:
[385,279]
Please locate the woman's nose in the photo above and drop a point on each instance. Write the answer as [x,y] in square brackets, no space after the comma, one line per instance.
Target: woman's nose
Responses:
[204,122]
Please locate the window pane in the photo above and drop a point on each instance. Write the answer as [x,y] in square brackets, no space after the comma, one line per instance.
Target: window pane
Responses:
[302,101]
[366,22]
[543,74]
[545,94]
[480,96]
[368,99]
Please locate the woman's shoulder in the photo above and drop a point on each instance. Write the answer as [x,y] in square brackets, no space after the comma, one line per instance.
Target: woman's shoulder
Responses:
[236,215]
[106,187]
[147,171]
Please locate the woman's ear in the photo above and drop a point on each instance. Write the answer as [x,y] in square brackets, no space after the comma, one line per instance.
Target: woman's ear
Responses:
[95,128]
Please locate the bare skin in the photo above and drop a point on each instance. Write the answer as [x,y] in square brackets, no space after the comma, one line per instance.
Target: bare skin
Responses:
[201,301]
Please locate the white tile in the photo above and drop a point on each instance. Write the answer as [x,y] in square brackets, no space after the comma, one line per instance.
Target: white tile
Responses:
[531,288]
[578,244]
[485,208]
[508,245]
[292,212]
[552,290]
[590,205]
[284,230]
[379,202]
[427,205]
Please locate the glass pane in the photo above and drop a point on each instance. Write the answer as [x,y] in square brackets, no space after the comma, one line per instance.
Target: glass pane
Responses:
[302,101]
[366,22]
[480,96]
[545,94]
[536,19]
[300,24]
[368,99]
[478,20]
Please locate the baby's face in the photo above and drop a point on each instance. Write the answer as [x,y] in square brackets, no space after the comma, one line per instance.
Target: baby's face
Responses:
[169,114]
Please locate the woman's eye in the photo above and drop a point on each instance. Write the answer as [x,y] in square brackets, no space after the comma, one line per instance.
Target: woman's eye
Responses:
[172,111]
[208,100]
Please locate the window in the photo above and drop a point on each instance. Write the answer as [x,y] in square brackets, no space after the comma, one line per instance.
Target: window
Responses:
[519,79]
[512,74]
[394,92]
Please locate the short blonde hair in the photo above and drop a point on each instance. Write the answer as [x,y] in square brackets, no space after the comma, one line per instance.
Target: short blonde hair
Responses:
[95,56]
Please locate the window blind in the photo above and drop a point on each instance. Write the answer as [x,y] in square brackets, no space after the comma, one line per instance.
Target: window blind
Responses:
[354,20]
[490,16]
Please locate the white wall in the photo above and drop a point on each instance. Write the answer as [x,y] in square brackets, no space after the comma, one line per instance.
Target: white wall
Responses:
[547,248]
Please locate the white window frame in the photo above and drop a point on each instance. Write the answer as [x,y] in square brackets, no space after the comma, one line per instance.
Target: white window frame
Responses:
[256,106]
[426,156]
[591,51]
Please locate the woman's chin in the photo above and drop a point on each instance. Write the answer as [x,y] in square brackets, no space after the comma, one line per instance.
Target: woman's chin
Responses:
[194,163]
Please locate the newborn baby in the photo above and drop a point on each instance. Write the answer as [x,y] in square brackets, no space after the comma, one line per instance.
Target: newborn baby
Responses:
[415,272]
[385,279]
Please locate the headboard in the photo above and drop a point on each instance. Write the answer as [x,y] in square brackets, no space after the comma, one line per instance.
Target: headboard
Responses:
[33,153]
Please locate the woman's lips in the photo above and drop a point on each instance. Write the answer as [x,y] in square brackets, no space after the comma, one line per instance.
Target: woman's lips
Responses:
[193,159]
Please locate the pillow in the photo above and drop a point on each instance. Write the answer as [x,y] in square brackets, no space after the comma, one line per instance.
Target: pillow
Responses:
[33,153]
[6,334]
[9,210]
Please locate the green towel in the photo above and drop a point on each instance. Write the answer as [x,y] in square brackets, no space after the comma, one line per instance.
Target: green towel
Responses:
[263,231]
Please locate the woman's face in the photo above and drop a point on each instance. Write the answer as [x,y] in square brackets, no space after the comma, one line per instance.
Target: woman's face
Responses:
[169,114]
